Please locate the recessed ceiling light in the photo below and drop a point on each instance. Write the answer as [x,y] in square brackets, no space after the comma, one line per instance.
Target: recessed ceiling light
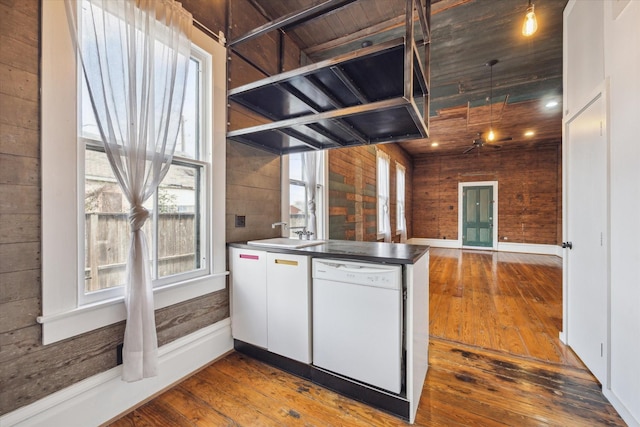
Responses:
[529,133]
[551,104]
[434,144]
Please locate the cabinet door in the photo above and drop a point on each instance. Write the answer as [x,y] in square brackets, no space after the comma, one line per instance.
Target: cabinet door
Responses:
[249,296]
[288,306]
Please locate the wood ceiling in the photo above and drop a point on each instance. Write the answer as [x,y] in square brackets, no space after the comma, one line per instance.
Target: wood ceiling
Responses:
[466,34]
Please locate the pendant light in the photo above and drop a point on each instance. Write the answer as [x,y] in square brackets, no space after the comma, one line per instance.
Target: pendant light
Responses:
[530,25]
[491,136]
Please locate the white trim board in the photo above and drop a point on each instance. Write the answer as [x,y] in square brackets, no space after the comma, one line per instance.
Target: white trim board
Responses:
[436,243]
[622,410]
[104,396]
[528,248]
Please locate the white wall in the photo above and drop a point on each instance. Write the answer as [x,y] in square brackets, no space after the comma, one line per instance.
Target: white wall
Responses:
[622,66]
[604,39]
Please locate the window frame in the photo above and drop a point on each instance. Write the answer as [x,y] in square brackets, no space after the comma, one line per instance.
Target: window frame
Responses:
[62,316]
[203,162]
[381,155]
[401,171]
[322,228]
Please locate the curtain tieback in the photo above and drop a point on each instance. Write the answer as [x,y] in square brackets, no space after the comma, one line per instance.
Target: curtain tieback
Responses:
[137,217]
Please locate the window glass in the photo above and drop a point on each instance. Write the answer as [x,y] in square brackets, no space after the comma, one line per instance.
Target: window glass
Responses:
[106,230]
[297,208]
[176,229]
[179,221]
[298,187]
[295,167]
[188,144]
[298,215]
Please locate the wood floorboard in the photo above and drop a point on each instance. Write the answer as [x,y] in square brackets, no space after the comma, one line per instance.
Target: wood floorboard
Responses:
[495,359]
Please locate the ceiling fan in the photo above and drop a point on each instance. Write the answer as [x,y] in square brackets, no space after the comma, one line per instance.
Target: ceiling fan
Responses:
[480,141]
[490,140]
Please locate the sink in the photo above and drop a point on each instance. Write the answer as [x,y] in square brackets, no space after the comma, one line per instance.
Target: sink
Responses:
[285,243]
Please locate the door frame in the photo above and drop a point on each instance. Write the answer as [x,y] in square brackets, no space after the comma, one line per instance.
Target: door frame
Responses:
[461,186]
[601,92]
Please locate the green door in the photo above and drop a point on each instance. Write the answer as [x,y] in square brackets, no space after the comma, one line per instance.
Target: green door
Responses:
[477,216]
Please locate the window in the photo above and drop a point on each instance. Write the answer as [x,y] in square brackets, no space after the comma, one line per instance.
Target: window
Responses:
[401,225]
[178,227]
[85,227]
[296,193]
[382,184]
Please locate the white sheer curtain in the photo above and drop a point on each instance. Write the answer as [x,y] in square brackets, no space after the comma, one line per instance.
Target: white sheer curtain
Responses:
[135,56]
[401,190]
[403,231]
[310,176]
[383,194]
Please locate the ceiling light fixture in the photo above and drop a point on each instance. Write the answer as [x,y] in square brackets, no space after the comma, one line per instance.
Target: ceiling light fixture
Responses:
[529,133]
[551,104]
[434,144]
[491,136]
[530,25]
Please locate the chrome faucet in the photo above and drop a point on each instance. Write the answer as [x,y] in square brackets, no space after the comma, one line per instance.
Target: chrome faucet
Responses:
[304,232]
[283,224]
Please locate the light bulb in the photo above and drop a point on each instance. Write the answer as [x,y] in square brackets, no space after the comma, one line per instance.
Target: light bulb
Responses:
[530,25]
[491,135]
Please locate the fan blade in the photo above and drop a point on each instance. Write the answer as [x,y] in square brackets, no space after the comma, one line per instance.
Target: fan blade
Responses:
[469,149]
[493,146]
[508,138]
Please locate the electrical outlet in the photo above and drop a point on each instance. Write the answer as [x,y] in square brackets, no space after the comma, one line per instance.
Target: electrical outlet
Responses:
[240,221]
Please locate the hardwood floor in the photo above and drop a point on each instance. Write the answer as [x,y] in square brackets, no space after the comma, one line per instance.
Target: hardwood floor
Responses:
[499,300]
[494,356]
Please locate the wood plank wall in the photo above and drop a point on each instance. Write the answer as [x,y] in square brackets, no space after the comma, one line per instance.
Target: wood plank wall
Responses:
[28,370]
[529,192]
[253,175]
[352,191]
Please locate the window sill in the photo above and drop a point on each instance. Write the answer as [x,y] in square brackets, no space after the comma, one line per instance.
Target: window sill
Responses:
[67,324]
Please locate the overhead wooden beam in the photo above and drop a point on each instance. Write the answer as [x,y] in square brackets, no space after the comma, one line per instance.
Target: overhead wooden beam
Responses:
[292,19]
[390,28]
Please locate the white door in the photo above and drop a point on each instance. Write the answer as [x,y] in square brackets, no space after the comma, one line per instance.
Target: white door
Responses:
[586,229]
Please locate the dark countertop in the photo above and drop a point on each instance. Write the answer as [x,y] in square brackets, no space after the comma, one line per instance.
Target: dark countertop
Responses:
[389,253]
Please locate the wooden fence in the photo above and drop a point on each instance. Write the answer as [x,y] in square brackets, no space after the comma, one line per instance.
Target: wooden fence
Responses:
[107,237]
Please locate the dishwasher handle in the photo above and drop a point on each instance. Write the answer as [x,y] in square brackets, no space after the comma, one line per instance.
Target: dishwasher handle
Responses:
[355,268]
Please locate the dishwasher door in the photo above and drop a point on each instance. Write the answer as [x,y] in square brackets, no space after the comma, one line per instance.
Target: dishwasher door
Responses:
[357,321]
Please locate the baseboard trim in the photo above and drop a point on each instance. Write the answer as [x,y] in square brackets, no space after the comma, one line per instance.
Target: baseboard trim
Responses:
[528,248]
[102,397]
[621,408]
[436,243]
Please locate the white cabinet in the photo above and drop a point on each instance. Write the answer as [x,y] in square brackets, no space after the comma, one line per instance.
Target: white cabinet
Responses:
[270,301]
[249,296]
[288,306]
[417,324]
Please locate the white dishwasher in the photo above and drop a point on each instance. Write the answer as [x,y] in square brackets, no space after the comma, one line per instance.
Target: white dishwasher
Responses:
[357,321]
